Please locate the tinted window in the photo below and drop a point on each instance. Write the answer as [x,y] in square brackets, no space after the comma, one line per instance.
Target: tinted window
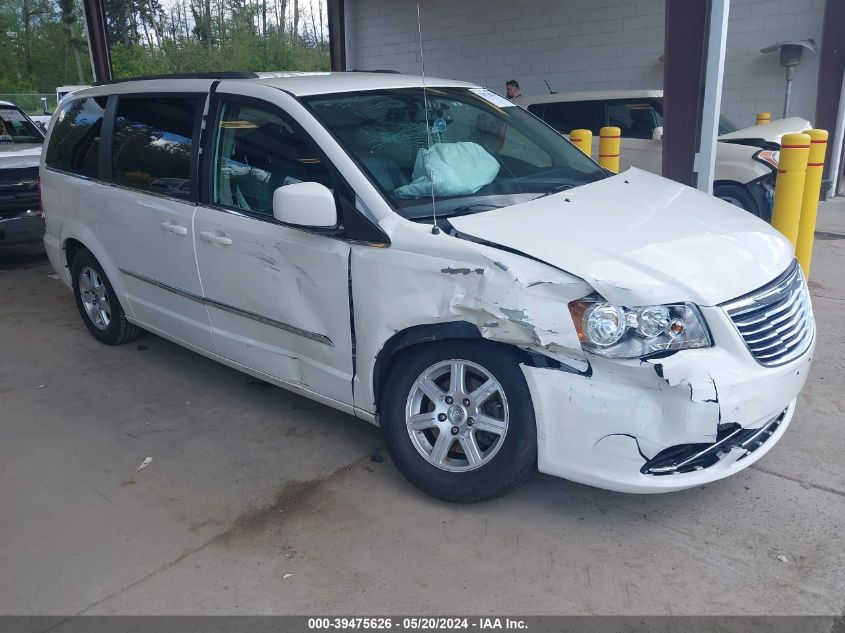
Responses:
[15,127]
[75,139]
[152,144]
[257,151]
[637,118]
[566,116]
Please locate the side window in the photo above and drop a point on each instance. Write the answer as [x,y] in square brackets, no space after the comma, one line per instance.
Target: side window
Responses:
[637,118]
[153,142]
[75,140]
[15,127]
[565,116]
[256,151]
[538,110]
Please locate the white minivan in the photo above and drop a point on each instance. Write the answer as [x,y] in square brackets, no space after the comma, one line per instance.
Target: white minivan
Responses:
[436,261]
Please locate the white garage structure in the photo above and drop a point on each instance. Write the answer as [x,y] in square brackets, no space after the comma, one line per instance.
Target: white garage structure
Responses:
[580,45]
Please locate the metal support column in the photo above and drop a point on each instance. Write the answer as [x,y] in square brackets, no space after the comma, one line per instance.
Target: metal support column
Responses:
[705,159]
[683,86]
[830,90]
[337,34]
[98,40]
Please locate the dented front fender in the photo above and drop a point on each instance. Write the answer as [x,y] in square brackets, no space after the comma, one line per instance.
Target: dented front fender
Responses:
[424,279]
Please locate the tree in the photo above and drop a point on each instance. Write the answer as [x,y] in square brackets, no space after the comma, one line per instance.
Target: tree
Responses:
[32,11]
[72,44]
[43,43]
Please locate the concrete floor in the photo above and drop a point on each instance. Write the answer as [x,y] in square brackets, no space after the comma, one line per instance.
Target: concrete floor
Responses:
[258,501]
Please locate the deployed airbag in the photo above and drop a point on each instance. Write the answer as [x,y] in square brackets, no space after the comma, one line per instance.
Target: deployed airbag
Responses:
[455,169]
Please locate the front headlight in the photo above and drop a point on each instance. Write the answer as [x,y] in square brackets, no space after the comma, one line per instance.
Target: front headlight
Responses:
[768,157]
[633,332]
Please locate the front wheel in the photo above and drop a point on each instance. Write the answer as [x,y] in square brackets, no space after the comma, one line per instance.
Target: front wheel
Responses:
[458,420]
[738,196]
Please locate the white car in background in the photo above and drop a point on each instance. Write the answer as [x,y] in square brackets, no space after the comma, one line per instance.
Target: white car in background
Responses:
[746,159]
[63,91]
[21,141]
[43,120]
[436,261]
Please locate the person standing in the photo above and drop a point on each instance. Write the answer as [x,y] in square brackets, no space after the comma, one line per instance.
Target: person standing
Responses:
[512,90]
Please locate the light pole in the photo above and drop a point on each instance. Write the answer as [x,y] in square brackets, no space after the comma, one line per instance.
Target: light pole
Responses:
[791,55]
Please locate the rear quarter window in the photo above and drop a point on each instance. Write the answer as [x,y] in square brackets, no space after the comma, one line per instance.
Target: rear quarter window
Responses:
[635,118]
[75,140]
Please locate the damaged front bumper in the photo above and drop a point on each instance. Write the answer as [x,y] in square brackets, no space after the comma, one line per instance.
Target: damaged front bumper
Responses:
[659,425]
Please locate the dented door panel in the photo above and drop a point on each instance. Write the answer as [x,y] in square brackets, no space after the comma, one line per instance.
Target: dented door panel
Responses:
[278,299]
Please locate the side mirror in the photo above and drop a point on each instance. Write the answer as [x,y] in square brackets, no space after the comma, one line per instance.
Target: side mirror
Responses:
[305,204]
[657,133]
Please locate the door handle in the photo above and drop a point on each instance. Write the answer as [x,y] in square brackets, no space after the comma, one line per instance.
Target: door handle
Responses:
[173,228]
[214,237]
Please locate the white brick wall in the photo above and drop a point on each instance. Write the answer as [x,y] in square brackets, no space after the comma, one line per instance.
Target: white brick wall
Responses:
[581,45]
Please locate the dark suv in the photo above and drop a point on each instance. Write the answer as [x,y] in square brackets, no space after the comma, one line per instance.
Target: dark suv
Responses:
[20,153]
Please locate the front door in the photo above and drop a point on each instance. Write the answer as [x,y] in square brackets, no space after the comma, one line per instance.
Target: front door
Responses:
[278,296]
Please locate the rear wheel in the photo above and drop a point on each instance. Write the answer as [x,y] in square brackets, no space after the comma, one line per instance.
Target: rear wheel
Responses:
[458,420]
[97,302]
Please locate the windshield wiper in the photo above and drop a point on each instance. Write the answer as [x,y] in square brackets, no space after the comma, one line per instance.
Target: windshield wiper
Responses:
[468,209]
[554,190]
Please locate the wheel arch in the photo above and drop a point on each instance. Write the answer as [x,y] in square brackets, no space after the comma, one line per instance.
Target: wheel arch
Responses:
[425,334]
[724,182]
[73,241]
[71,248]
[755,191]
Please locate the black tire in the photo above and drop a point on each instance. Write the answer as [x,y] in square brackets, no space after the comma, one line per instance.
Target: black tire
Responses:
[516,457]
[119,330]
[738,196]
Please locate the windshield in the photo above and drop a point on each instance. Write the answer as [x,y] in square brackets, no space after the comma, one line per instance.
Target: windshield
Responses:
[15,127]
[472,150]
[726,126]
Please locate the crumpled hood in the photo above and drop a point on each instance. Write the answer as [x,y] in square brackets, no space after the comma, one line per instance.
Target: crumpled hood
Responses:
[14,155]
[640,239]
[771,132]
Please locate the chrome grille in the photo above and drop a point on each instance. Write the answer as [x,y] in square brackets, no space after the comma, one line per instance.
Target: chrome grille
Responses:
[19,176]
[775,321]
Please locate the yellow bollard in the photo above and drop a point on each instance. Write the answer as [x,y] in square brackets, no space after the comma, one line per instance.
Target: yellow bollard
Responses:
[810,202]
[583,140]
[764,117]
[609,148]
[789,187]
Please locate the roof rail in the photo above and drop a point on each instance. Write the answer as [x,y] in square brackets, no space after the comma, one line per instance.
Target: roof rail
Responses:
[361,70]
[226,74]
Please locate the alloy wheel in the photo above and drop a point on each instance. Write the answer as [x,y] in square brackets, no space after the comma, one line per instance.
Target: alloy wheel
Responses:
[95,298]
[457,415]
